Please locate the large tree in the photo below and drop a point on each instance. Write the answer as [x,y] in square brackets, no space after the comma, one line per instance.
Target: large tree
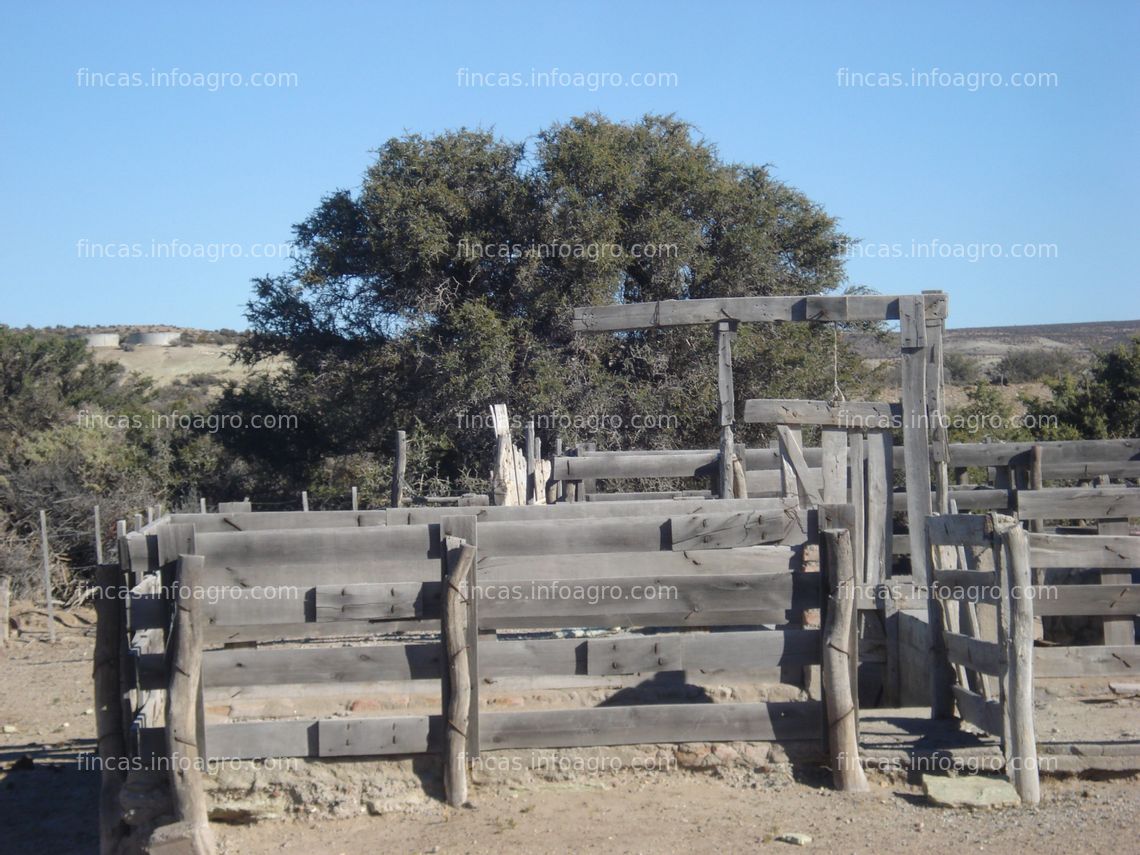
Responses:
[442,286]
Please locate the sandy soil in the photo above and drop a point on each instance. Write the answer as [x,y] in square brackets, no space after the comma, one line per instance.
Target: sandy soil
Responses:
[48,798]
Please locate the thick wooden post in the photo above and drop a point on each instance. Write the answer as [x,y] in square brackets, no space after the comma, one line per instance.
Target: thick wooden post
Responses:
[460,558]
[47,576]
[355,499]
[840,651]
[398,468]
[305,501]
[183,710]
[724,332]
[202,505]
[1022,757]
[109,714]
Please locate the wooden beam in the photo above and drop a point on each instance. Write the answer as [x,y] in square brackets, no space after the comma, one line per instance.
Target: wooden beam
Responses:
[1022,737]
[736,529]
[849,415]
[669,313]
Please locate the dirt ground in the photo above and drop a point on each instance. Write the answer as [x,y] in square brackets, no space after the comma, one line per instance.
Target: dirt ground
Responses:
[48,797]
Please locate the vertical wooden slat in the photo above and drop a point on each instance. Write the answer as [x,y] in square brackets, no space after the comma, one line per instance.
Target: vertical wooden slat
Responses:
[109,715]
[880,521]
[724,332]
[855,463]
[399,468]
[834,465]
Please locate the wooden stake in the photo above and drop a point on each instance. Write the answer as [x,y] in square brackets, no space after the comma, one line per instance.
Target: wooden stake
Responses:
[355,499]
[840,648]
[305,501]
[98,537]
[47,576]
[457,694]
[398,468]
[202,505]
[5,605]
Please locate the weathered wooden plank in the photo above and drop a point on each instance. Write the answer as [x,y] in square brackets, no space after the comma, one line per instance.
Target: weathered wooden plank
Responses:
[977,586]
[982,714]
[745,652]
[960,530]
[834,465]
[849,415]
[1078,503]
[269,666]
[706,600]
[975,654]
[663,508]
[750,559]
[1100,660]
[1085,599]
[879,520]
[365,737]
[633,655]
[275,520]
[256,739]
[1059,454]
[344,545]
[377,601]
[736,529]
[632,725]
[792,454]
[700,464]
[1081,550]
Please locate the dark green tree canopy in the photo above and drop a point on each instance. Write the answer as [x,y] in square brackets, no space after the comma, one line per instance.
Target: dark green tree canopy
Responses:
[442,285]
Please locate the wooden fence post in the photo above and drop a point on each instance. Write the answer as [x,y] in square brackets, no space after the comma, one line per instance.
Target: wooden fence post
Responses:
[355,499]
[305,501]
[1023,742]
[47,576]
[724,332]
[110,739]
[398,468]
[460,558]
[202,505]
[840,650]
[183,711]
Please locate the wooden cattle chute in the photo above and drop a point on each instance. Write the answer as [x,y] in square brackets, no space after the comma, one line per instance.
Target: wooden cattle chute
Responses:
[922,320]
[731,569]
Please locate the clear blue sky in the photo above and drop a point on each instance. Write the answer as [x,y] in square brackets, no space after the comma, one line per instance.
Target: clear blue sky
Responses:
[918,172]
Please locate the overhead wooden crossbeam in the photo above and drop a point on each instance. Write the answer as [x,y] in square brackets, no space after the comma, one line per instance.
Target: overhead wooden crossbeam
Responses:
[675,313]
[851,415]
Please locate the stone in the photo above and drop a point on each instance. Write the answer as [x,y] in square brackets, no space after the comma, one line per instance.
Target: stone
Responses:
[11,728]
[969,791]
[795,838]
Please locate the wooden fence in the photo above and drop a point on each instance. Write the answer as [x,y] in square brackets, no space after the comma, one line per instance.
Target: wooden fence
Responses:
[986,614]
[733,587]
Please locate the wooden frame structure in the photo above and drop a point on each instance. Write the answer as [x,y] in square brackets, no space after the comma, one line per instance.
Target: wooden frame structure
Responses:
[922,320]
